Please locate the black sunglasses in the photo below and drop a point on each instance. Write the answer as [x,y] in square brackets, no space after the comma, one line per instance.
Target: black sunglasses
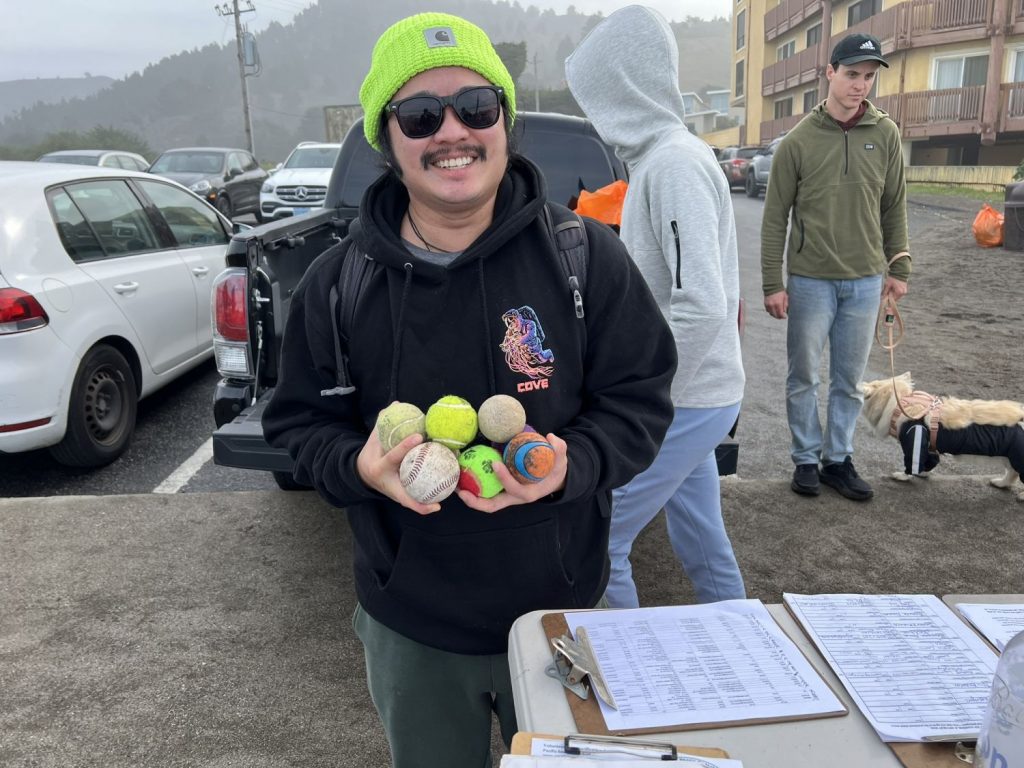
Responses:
[421,116]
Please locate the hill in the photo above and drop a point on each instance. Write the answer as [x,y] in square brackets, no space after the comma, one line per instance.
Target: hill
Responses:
[193,98]
[16,95]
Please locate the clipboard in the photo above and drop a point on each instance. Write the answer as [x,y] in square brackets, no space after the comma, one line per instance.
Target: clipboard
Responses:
[522,744]
[589,719]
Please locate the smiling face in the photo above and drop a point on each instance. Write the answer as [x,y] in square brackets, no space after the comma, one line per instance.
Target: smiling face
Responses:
[848,86]
[458,169]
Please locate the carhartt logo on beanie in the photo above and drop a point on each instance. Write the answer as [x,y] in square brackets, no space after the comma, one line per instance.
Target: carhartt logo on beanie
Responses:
[421,42]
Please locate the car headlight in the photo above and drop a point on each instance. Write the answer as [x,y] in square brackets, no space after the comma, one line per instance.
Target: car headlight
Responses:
[201,186]
[267,187]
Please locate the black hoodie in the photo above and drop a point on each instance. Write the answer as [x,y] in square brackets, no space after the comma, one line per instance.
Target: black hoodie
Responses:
[498,320]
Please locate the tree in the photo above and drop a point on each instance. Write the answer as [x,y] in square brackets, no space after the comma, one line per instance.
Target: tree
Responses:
[513,55]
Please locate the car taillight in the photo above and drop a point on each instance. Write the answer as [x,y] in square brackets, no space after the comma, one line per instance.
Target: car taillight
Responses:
[230,306]
[20,311]
[230,310]
[737,161]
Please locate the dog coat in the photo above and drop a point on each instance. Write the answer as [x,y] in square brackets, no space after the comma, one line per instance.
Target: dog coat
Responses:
[973,440]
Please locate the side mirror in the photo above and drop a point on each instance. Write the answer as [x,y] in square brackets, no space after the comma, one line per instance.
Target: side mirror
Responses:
[239,226]
[232,172]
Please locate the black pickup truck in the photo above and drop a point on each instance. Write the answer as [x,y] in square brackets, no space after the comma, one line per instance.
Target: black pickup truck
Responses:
[264,265]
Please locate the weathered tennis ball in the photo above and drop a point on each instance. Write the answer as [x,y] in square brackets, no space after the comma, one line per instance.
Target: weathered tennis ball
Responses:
[501,417]
[477,475]
[529,457]
[429,472]
[451,421]
[397,422]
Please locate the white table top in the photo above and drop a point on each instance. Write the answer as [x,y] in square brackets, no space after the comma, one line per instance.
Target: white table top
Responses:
[831,742]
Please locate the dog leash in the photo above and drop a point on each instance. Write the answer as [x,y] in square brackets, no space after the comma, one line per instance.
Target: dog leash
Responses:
[889,318]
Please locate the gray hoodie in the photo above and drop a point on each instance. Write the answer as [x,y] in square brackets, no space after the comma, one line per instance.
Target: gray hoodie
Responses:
[677,220]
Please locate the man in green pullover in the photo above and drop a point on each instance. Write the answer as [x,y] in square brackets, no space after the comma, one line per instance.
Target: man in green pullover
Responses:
[837,183]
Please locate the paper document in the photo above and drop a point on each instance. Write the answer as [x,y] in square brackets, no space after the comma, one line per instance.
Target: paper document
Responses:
[570,761]
[917,672]
[614,755]
[696,665]
[998,622]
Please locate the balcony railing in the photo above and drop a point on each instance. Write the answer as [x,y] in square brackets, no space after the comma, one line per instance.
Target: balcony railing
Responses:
[926,16]
[937,113]
[915,23]
[787,14]
[772,128]
[1011,109]
[789,73]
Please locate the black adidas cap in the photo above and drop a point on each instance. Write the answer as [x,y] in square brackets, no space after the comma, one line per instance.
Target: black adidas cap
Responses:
[854,49]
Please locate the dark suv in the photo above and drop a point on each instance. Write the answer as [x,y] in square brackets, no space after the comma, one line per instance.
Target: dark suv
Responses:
[734,161]
[229,179]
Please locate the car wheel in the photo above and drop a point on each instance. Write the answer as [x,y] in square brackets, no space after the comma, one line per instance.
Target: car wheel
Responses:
[224,206]
[751,186]
[286,482]
[259,215]
[101,412]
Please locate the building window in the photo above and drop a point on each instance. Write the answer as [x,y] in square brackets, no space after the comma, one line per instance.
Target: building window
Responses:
[814,35]
[961,72]
[739,78]
[864,9]
[785,51]
[810,100]
[741,30]
[784,107]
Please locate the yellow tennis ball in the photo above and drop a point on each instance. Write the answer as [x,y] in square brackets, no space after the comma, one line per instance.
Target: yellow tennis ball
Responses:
[477,474]
[451,421]
[502,417]
[397,422]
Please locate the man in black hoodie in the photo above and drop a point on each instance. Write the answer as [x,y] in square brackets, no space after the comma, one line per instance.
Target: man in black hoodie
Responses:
[462,253]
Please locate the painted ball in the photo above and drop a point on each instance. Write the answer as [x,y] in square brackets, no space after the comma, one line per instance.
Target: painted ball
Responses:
[477,474]
[429,473]
[501,417]
[451,421]
[529,457]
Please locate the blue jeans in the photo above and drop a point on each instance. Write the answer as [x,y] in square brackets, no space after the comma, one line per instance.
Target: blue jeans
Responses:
[843,312]
[684,481]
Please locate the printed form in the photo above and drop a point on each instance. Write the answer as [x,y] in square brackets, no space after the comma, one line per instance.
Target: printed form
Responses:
[998,622]
[917,672]
[709,664]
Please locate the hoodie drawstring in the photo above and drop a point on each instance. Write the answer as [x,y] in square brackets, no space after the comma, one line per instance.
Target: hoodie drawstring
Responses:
[397,349]
[487,326]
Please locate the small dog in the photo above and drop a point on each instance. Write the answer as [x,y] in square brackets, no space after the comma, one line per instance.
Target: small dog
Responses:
[927,426]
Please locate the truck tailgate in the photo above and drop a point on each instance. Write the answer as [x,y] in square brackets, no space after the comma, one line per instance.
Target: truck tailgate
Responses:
[240,442]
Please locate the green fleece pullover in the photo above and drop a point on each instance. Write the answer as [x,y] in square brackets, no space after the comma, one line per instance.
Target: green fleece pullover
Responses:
[847,194]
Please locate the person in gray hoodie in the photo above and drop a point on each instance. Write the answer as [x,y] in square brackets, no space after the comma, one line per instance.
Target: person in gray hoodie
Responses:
[677,224]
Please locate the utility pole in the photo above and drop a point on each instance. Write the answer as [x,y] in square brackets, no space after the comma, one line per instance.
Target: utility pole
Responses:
[536,86]
[224,10]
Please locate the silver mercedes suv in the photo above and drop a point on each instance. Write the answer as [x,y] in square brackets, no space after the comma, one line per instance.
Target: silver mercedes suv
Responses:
[299,184]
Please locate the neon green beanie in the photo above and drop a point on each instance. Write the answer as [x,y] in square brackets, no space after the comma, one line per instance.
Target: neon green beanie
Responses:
[421,42]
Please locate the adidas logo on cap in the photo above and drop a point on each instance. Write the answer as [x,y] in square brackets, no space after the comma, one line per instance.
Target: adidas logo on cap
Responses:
[867,45]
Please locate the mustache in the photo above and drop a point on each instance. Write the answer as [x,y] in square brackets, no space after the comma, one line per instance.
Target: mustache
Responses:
[478,150]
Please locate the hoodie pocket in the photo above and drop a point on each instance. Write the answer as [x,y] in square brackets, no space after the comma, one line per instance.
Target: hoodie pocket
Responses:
[477,579]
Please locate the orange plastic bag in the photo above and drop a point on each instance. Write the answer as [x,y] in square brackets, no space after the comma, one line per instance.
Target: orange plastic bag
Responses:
[988,227]
[605,204]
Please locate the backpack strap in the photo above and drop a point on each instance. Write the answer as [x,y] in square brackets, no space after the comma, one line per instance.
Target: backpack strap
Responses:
[355,274]
[569,235]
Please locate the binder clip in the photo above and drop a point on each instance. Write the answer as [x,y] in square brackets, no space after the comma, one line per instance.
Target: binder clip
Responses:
[578,744]
[574,660]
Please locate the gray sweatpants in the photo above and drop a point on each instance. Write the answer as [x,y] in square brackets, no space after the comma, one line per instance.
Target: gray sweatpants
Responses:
[435,706]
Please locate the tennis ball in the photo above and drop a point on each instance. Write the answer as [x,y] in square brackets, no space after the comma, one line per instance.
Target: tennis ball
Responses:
[529,457]
[502,417]
[477,475]
[397,422]
[429,472]
[451,421]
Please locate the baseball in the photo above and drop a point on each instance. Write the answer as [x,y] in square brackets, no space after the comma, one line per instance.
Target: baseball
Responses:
[429,472]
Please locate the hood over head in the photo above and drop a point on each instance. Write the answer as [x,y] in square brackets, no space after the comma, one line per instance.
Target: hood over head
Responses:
[625,76]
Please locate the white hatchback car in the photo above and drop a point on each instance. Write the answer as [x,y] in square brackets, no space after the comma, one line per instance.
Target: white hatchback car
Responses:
[105,281]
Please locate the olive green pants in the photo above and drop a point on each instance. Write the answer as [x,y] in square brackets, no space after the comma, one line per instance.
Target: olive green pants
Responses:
[435,706]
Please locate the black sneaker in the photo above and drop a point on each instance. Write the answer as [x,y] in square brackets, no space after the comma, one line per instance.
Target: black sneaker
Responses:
[805,480]
[844,478]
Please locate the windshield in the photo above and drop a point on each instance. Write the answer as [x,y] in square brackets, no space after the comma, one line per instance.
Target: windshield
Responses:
[748,152]
[71,159]
[312,157]
[188,162]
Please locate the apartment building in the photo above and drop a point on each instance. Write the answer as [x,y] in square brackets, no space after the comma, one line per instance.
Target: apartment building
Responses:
[955,82]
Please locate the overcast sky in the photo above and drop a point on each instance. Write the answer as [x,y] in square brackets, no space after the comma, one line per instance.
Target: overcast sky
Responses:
[67,38]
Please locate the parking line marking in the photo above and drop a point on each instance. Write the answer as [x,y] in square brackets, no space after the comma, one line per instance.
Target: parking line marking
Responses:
[179,478]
